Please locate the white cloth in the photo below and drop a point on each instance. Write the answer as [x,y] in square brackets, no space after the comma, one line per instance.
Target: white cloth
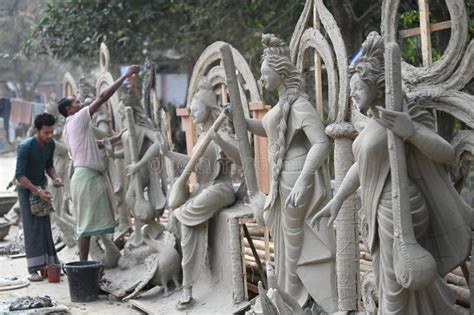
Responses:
[81,142]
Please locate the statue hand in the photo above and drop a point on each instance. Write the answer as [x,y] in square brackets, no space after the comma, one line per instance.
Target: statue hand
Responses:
[399,122]
[179,194]
[109,148]
[257,201]
[300,194]
[58,182]
[132,169]
[164,145]
[330,210]
[228,111]
[121,133]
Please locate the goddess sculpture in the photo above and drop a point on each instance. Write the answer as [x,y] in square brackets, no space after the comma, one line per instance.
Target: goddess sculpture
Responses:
[298,149]
[143,137]
[213,192]
[441,219]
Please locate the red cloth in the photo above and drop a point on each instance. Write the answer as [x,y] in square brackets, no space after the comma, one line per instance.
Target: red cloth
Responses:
[20,111]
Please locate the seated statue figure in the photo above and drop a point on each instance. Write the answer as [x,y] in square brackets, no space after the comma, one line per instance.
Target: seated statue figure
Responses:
[440,218]
[214,190]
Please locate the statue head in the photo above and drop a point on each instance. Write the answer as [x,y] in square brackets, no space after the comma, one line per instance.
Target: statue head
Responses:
[277,68]
[86,92]
[52,106]
[130,98]
[367,85]
[204,103]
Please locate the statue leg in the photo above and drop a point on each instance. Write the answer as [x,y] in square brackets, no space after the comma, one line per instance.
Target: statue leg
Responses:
[293,223]
[293,220]
[194,248]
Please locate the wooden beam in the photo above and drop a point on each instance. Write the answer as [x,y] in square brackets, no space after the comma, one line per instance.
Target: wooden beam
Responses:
[416,31]
[425,33]
[261,270]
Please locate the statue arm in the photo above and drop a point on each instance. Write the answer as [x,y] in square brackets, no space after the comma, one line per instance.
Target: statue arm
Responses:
[319,151]
[99,133]
[155,150]
[255,126]
[152,152]
[150,134]
[227,145]
[431,144]
[120,154]
[178,158]
[60,147]
[314,131]
[426,140]
[349,184]
[305,116]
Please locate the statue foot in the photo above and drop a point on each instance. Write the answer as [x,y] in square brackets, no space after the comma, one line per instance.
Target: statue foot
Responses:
[186,299]
[135,239]
[123,228]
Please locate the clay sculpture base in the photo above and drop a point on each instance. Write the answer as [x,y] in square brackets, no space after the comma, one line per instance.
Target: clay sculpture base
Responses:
[219,290]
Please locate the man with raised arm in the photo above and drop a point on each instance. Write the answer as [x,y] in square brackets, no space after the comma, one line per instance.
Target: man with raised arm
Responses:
[90,192]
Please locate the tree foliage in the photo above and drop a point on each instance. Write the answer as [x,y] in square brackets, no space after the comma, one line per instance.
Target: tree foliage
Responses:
[182,29]
[133,29]
[24,70]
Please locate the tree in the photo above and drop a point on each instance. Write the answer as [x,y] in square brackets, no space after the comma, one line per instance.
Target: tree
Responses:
[25,70]
[135,29]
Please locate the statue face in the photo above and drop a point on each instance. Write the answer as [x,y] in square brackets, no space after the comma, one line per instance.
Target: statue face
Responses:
[199,111]
[271,79]
[362,95]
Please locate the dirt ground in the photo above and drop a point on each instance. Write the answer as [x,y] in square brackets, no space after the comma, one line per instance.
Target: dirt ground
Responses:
[57,291]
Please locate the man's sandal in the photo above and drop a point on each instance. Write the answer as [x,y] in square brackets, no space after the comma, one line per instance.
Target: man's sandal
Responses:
[34,277]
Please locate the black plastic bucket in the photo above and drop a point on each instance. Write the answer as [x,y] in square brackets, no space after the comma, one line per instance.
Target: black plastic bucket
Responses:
[83,278]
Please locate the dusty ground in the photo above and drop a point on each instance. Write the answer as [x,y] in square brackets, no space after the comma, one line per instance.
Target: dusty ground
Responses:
[7,169]
[58,291]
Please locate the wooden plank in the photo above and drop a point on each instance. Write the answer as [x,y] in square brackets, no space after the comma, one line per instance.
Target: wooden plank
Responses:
[425,32]
[255,255]
[182,111]
[242,254]
[416,31]
[253,288]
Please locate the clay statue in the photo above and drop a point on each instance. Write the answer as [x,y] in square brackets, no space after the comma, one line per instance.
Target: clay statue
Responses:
[163,265]
[300,185]
[214,191]
[276,301]
[109,255]
[136,140]
[61,158]
[407,198]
